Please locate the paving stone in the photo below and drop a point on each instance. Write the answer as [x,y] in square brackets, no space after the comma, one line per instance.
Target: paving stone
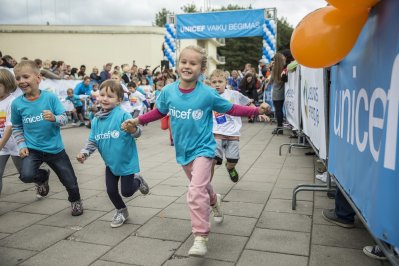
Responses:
[9,206]
[254,257]
[247,196]
[28,196]
[152,201]
[36,237]
[140,251]
[84,193]
[255,186]
[285,221]
[46,206]
[168,190]
[100,232]
[166,229]
[176,181]
[108,263]
[280,205]
[340,237]
[176,210]
[12,222]
[286,193]
[68,253]
[243,209]
[234,225]
[288,242]
[65,219]
[3,235]
[220,247]
[265,178]
[98,203]
[288,183]
[193,261]
[10,187]
[324,203]
[138,215]
[12,256]
[334,256]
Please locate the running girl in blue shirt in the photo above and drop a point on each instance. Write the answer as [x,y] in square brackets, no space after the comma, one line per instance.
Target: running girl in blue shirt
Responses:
[117,148]
[190,104]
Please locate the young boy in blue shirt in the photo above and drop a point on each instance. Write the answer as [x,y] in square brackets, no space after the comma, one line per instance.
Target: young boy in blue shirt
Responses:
[77,112]
[117,148]
[36,119]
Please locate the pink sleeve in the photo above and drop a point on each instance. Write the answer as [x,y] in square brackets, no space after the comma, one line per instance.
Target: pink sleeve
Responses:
[151,116]
[239,110]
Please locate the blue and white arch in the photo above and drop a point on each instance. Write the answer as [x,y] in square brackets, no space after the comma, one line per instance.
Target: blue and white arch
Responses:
[269,40]
[170,44]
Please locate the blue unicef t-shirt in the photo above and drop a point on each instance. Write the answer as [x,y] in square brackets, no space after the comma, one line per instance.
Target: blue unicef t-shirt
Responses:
[75,99]
[39,133]
[117,147]
[191,119]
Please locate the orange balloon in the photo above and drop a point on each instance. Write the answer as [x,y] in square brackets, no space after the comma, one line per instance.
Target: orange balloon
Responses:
[353,4]
[325,36]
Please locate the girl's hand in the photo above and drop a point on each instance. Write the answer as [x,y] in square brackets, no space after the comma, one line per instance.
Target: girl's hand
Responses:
[48,115]
[24,152]
[81,157]
[264,118]
[129,124]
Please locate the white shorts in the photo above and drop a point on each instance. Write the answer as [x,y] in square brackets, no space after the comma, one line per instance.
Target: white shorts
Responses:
[230,149]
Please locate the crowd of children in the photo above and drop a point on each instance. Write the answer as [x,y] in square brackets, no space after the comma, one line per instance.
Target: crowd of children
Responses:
[116,112]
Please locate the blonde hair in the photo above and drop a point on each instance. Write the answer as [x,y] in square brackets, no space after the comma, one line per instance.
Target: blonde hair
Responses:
[201,51]
[8,80]
[218,73]
[27,64]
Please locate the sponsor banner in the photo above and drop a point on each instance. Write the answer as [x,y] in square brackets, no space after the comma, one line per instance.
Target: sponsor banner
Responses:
[313,107]
[364,110]
[225,24]
[292,98]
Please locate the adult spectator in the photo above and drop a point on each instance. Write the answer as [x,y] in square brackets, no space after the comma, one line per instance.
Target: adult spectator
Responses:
[45,69]
[105,74]
[94,76]
[74,74]
[8,61]
[126,77]
[60,69]
[82,72]
[264,72]
[234,80]
[248,88]
[84,87]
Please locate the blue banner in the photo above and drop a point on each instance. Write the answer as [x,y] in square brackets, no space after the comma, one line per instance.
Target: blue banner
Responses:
[225,24]
[364,108]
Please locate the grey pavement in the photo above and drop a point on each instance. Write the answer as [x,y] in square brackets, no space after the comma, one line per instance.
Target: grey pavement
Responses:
[259,228]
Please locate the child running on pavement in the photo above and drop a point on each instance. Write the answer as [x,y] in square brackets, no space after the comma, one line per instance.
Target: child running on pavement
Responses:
[77,112]
[8,147]
[190,104]
[36,118]
[226,128]
[117,148]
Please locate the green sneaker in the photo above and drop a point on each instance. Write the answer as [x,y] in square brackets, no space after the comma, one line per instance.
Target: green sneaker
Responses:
[233,174]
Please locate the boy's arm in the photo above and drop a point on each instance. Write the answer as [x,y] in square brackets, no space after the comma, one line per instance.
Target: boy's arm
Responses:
[18,134]
[61,119]
[6,136]
[91,146]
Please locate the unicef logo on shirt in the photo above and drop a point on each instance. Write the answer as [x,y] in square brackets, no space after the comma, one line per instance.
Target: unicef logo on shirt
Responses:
[115,134]
[197,114]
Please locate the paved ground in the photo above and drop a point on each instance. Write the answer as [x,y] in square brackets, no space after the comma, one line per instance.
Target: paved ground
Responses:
[259,227]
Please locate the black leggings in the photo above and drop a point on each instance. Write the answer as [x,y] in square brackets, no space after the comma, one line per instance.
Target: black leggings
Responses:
[129,185]
[278,107]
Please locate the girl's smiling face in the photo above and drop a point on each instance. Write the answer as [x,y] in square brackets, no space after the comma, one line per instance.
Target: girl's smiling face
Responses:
[190,66]
[108,99]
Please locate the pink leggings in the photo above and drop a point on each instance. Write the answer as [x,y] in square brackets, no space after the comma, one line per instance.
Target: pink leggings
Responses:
[200,194]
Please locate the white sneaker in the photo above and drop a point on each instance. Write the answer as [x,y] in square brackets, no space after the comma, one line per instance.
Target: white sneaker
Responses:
[119,218]
[217,210]
[199,247]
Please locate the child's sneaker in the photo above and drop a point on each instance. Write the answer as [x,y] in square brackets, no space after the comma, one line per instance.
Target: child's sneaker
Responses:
[77,208]
[73,124]
[374,252]
[217,209]
[199,247]
[233,174]
[144,188]
[119,217]
[43,189]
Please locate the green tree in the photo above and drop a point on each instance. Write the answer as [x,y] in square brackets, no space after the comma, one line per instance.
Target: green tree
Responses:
[160,17]
[189,8]
[284,32]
